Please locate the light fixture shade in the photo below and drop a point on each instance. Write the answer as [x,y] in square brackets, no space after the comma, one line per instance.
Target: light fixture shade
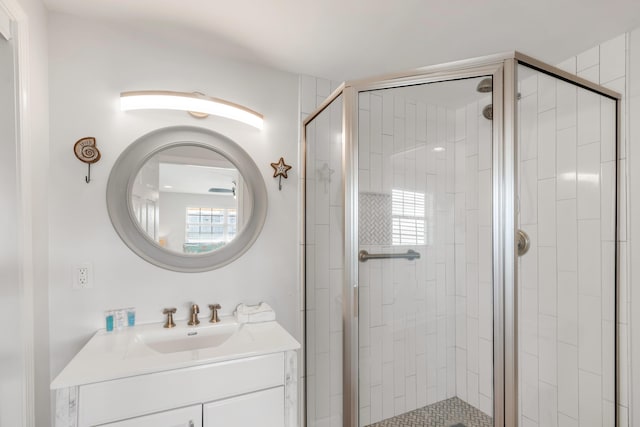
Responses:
[191,102]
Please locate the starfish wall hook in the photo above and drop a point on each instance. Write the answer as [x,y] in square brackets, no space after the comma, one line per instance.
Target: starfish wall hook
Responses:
[280,170]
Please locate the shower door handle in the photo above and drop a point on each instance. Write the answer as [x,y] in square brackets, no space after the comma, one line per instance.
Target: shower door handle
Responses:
[410,255]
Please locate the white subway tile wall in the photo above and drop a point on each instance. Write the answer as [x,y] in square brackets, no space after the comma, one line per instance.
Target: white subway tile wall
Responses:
[440,330]
[324,263]
[567,280]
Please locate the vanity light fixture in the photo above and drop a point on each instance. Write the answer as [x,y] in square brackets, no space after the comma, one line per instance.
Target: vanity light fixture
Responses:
[198,105]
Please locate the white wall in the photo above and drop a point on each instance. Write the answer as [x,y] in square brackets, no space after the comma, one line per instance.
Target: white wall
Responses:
[90,64]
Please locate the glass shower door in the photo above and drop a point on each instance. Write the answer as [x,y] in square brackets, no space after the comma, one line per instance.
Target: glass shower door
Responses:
[324,267]
[425,312]
[566,280]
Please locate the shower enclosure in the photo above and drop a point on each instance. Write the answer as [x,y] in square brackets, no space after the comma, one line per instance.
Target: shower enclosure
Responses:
[460,249]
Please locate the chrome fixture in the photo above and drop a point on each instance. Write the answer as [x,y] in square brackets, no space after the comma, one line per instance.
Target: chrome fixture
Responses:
[193,317]
[487,112]
[524,243]
[169,312]
[214,313]
[485,85]
[410,255]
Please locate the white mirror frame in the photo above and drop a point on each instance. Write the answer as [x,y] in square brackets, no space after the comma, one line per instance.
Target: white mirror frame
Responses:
[120,208]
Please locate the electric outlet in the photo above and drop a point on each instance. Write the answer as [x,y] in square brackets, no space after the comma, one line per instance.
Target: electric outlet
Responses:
[82,277]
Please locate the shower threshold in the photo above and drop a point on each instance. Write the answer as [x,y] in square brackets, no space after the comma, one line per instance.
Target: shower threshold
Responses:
[452,412]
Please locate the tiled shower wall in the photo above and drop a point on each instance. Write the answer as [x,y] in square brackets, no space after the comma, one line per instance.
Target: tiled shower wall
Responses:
[473,256]
[608,64]
[425,325]
[324,264]
[566,280]
[407,308]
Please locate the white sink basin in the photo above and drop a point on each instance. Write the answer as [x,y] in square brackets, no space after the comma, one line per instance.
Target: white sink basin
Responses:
[148,348]
[187,338]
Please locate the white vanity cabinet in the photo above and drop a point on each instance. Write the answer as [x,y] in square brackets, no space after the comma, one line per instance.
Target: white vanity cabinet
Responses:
[249,380]
[183,417]
[263,408]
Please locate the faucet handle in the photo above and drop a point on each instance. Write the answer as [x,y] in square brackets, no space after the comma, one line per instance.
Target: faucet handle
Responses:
[214,312]
[169,312]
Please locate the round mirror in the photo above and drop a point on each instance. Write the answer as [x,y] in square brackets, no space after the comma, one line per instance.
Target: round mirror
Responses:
[186,199]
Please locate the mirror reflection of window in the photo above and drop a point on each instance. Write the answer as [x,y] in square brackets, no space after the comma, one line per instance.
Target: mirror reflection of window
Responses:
[208,229]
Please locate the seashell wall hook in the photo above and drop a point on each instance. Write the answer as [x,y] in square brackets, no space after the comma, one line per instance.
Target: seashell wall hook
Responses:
[87,152]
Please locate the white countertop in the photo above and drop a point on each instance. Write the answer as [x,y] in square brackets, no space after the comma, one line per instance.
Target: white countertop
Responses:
[119,354]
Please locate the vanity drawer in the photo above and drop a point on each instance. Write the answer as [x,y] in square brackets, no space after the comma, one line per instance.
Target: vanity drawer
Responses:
[190,416]
[263,408]
[144,394]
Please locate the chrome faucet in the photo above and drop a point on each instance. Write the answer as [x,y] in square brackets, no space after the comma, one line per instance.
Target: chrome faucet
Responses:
[193,318]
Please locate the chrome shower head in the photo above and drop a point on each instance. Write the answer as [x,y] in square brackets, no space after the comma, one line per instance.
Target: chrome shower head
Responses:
[485,85]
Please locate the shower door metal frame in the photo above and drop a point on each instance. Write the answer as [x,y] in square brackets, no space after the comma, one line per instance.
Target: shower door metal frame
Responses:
[562,75]
[493,66]
[503,69]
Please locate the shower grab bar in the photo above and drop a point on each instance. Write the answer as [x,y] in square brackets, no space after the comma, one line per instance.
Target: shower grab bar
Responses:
[410,255]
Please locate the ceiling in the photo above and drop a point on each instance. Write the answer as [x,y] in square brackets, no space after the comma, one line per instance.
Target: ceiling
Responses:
[192,179]
[194,170]
[348,39]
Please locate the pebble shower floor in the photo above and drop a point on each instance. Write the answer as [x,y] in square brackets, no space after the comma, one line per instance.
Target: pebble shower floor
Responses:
[447,413]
